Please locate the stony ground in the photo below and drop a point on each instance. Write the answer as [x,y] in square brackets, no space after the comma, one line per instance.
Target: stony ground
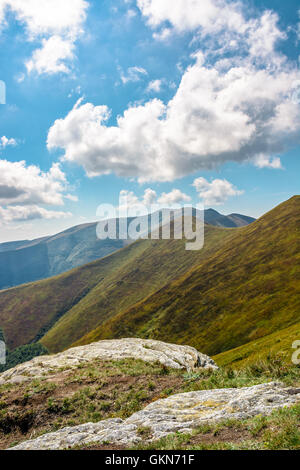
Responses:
[170,355]
[179,413]
[88,393]
[130,403]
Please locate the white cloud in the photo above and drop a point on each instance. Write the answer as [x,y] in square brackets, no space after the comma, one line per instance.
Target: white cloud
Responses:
[23,188]
[217,115]
[133,74]
[25,213]
[174,197]
[57,24]
[221,20]
[263,161]
[131,14]
[188,15]
[163,35]
[128,199]
[28,185]
[154,85]
[226,108]
[216,192]
[6,142]
[264,34]
[52,56]
[42,17]
[149,197]
[71,197]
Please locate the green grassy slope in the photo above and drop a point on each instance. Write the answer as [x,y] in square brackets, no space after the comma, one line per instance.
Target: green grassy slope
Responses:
[149,265]
[277,344]
[27,311]
[86,296]
[247,289]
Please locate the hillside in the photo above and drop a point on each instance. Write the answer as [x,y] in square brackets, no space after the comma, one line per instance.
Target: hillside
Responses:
[147,267]
[23,262]
[278,344]
[241,287]
[74,303]
[247,289]
[27,261]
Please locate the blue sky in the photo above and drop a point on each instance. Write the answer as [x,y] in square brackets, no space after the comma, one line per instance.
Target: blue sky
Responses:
[196,101]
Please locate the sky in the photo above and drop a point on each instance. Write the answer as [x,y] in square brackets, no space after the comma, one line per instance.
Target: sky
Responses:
[159,101]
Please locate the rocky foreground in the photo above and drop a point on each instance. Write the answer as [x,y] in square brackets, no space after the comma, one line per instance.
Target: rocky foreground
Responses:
[181,412]
[170,355]
[178,413]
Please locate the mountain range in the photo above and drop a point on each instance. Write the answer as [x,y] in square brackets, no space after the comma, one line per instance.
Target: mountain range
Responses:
[26,261]
[236,298]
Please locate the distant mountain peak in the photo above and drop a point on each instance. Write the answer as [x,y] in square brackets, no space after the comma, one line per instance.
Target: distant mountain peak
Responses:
[27,261]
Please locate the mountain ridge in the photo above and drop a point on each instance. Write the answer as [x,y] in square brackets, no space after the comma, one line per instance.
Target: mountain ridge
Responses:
[32,260]
[155,289]
[177,308]
[82,298]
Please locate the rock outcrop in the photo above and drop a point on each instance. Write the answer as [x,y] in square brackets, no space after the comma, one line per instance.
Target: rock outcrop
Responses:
[178,413]
[171,355]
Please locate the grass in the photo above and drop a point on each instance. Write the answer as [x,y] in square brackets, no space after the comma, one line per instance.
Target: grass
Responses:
[254,374]
[279,344]
[246,290]
[148,265]
[61,310]
[109,389]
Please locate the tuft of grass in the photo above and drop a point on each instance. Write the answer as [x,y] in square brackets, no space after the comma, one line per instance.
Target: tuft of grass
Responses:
[262,371]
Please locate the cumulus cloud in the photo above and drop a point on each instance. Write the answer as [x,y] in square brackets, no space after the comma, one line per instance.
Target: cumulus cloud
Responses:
[222,21]
[174,197]
[23,188]
[6,142]
[72,197]
[52,56]
[129,200]
[217,192]
[26,213]
[27,185]
[154,85]
[57,24]
[212,16]
[216,116]
[263,34]
[263,161]
[227,108]
[133,74]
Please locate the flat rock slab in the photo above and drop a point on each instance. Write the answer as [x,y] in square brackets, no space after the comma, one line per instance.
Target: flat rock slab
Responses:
[110,430]
[171,355]
[178,413]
